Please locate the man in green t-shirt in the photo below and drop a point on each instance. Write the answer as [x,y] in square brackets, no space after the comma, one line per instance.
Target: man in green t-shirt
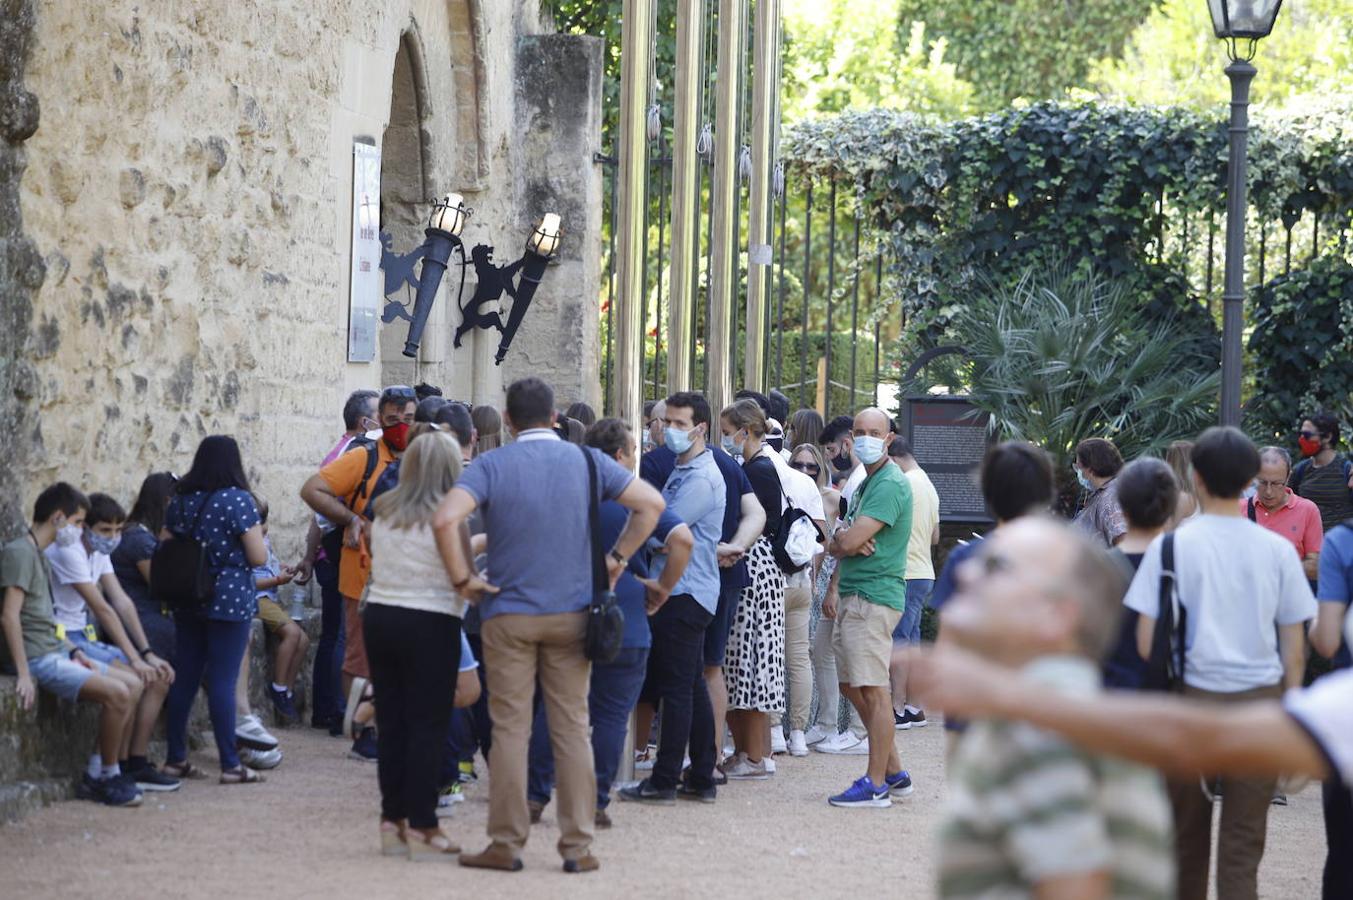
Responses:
[872,588]
[35,647]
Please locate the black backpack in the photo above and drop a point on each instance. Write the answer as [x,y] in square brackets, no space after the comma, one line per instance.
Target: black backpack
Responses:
[1165,667]
[332,541]
[180,569]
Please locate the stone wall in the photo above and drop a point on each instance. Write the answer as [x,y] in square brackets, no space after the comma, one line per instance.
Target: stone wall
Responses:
[188,192]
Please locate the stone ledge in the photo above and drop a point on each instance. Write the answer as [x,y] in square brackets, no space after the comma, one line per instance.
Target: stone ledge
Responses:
[44,749]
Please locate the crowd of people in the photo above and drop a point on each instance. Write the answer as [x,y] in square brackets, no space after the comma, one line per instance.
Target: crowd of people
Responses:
[767,565]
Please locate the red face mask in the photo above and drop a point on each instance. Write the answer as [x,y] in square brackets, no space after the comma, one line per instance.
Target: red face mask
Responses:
[396,437]
[1309,446]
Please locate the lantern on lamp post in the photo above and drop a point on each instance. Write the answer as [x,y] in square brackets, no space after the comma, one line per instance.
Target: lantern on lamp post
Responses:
[1234,21]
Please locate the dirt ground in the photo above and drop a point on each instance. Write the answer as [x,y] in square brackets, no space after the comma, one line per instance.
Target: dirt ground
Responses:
[310,831]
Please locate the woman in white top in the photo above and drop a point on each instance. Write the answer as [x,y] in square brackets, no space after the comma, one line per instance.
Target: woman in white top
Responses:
[413,621]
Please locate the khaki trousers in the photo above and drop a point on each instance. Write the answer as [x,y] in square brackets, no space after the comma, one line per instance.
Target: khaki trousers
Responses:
[798,662]
[518,650]
[1244,822]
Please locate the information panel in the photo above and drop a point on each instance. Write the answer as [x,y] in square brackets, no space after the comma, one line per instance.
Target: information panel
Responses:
[365,285]
[949,438]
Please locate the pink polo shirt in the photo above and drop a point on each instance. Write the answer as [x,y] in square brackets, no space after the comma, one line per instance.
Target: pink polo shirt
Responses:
[1298,521]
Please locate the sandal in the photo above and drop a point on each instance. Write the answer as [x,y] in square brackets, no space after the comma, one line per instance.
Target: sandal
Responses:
[182,770]
[241,775]
[433,844]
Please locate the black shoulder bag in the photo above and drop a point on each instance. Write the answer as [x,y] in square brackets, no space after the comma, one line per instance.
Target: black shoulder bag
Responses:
[605,620]
[180,569]
[1165,667]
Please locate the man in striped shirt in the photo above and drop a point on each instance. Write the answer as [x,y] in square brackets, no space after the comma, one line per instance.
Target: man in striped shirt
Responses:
[1028,813]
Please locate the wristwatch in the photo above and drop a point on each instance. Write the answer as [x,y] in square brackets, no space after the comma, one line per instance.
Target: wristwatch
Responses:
[615,555]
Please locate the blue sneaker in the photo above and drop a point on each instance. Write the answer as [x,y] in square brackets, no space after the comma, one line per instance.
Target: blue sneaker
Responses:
[115,791]
[899,785]
[364,748]
[282,702]
[863,793]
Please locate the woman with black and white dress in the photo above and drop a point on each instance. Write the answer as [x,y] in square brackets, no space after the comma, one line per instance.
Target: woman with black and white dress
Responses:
[755,664]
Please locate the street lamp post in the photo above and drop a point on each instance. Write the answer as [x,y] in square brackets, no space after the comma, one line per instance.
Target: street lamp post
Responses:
[1233,21]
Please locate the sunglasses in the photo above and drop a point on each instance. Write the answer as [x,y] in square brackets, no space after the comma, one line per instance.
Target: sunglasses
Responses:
[398,392]
[807,468]
[1309,435]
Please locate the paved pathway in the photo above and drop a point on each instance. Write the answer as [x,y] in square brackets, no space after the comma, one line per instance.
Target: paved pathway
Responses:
[310,831]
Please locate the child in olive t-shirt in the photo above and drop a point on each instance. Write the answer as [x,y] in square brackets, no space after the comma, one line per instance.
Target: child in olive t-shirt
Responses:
[39,655]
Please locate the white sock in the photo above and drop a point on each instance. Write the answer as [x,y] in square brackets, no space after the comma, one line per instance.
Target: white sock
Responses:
[95,767]
[280,688]
[110,772]
[912,709]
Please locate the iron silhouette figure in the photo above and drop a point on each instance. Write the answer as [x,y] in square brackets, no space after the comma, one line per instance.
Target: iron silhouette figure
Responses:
[491,283]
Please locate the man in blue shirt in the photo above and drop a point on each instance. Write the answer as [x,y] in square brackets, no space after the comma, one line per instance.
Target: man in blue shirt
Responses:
[743,519]
[533,604]
[1335,592]
[695,492]
[615,685]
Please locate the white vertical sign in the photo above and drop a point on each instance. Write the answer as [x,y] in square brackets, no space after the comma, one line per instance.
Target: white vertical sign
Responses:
[365,283]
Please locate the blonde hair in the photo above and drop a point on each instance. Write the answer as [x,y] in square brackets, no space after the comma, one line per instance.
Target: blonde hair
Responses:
[427,470]
[746,414]
[823,476]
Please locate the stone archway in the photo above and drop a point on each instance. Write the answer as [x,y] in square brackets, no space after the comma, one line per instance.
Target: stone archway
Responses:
[405,184]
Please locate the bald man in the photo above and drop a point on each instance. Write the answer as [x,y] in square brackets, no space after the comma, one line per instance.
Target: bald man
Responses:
[1027,813]
[872,589]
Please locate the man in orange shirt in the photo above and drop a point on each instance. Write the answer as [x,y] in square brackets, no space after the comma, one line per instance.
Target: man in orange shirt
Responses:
[1284,513]
[340,492]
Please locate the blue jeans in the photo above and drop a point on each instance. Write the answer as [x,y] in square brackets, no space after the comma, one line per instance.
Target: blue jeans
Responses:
[214,649]
[328,676]
[613,693]
[908,630]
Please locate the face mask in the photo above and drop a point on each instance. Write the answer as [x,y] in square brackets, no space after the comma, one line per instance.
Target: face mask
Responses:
[103,544]
[1084,481]
[68,535]
[728,446]
[396,437]
[776,444]
[869,449]
[1309,446]
[373,435]
[841,461]
[678,441]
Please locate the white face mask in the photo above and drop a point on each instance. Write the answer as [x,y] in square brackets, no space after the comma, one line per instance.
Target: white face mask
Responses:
[68,535]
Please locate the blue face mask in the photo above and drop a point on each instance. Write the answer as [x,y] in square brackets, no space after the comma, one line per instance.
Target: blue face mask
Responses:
[1084,481]
[868,449]
[101,544]
[728,446]
[678,441]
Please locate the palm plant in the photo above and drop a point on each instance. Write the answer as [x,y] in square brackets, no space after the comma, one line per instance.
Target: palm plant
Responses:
[1063,354]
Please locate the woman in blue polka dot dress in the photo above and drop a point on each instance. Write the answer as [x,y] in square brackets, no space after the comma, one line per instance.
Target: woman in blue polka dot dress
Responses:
[213,504]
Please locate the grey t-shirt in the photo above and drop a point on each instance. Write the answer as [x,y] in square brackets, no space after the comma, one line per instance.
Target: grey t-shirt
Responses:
[533,495]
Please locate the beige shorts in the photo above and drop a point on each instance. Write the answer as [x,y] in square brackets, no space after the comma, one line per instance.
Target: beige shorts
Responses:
[863,641]
[273,617]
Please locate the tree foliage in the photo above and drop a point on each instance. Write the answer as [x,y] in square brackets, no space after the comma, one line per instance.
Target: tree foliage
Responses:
[1031,49]
[1059,353]
[1302,348]
[1173,57]
[842,54]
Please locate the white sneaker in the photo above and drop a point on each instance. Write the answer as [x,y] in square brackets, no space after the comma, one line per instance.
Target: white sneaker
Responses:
[770,764]
[261,759]
[250,732]
[354,700]
[743,769]
[644,759]
[777,739]
[798,746]
[845,744]
[817,734]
